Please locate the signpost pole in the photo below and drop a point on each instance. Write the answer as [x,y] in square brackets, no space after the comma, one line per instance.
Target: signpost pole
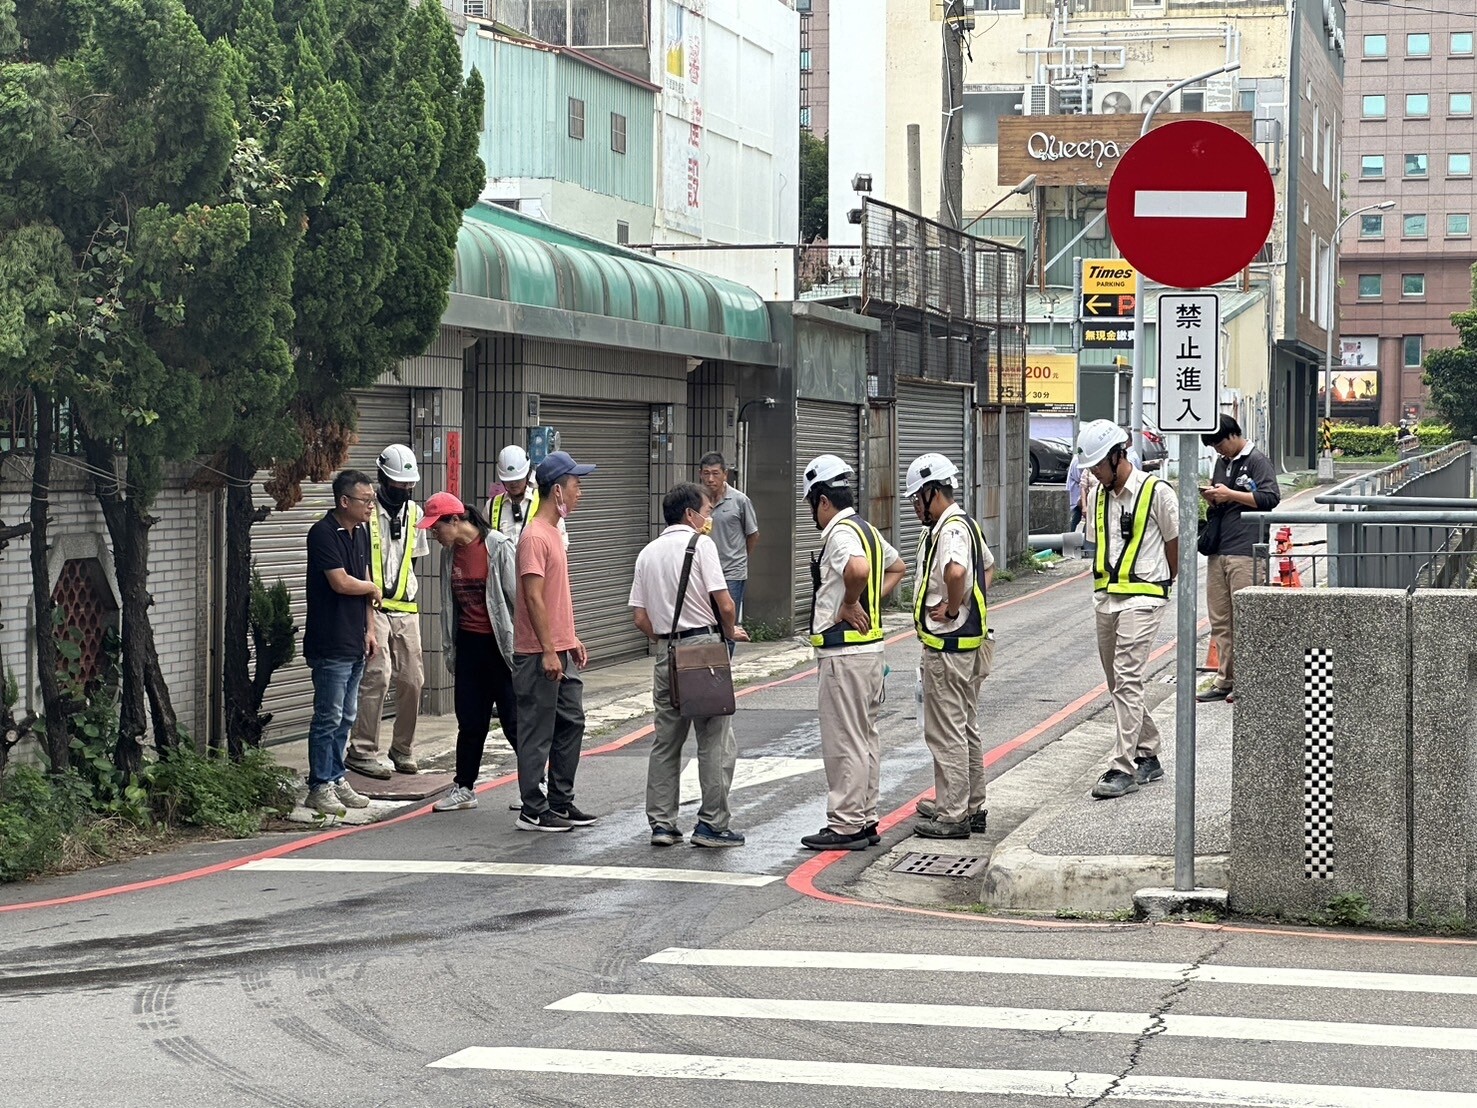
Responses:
[1184,665]
[1140,358]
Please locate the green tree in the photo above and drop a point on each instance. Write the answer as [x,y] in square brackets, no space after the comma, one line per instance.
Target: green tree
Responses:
[1451,374]
[814,198]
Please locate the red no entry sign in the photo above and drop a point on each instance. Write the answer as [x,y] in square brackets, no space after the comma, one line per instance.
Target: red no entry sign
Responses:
[1191,203]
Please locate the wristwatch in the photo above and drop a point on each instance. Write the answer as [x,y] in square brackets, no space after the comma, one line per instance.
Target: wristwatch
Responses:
[950,615]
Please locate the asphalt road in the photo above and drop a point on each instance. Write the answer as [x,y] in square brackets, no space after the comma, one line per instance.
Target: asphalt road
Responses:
[452,960]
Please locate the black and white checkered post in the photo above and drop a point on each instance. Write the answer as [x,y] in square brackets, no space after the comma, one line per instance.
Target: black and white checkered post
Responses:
[1317,764]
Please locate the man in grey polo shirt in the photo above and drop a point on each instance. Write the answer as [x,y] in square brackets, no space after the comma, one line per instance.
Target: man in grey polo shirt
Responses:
[735,528]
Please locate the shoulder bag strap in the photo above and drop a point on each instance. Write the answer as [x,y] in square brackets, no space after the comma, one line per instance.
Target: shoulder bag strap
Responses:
[681,600]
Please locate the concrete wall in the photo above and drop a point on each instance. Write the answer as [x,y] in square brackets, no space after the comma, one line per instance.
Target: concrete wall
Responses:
[1355,762]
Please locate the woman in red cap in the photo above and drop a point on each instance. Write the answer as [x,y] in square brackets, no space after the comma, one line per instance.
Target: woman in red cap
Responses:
[479,582]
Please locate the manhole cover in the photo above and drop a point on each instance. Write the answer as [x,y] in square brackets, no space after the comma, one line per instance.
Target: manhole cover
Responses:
[941,865]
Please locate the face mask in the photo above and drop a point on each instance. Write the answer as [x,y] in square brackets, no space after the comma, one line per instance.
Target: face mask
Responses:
[707,528]
[562,507]
[393,498]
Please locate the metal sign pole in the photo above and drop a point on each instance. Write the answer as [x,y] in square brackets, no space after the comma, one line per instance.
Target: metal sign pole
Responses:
[1184,697]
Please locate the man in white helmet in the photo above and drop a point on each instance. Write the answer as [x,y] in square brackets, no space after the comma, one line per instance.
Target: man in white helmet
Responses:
[954,571]
[855,569]
[1131,518]
[514,499]
[394,544]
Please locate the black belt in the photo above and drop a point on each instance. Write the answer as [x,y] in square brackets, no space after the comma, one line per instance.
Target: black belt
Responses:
[695,632]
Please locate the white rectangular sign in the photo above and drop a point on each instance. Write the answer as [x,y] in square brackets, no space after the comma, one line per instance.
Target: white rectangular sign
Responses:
[1189,386]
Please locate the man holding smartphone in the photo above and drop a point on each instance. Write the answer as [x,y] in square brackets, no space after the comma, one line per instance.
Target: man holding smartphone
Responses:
[1243,480]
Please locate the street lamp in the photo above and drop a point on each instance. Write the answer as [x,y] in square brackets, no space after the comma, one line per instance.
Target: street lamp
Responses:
[1325,459]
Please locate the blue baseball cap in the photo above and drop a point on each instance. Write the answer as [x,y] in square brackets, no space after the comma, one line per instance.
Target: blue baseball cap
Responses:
[559,465]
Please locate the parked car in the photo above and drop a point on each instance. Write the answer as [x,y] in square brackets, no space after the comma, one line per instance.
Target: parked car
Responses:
[1050,460]
[1155,450]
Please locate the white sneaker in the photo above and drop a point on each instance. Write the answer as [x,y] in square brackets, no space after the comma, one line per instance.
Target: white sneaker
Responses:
[324,798]
[458,800]
[350,797]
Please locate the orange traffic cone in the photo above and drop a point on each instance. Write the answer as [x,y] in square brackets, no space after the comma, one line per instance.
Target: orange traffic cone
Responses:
[1212,659]
[1287,571]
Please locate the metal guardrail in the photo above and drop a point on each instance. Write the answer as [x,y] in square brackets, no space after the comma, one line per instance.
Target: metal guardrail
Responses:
[1409,525]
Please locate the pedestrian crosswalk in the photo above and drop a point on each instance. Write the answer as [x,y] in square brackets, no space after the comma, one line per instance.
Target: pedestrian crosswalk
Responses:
[1228,1052]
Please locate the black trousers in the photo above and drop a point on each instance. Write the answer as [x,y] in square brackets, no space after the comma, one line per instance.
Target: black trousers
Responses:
[483,682]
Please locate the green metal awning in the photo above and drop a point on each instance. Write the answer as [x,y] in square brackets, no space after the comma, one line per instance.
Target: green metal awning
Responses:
[520,275]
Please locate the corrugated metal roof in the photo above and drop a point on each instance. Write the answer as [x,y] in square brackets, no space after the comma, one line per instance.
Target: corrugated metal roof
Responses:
[502,255]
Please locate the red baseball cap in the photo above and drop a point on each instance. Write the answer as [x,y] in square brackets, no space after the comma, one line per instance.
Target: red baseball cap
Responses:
[439,506]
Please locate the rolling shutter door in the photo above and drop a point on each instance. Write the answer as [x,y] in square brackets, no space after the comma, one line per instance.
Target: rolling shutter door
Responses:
[930,419]
[612,524]
[820,428]
[279,549]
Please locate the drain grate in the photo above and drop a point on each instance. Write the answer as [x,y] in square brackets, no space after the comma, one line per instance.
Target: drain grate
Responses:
[942,865]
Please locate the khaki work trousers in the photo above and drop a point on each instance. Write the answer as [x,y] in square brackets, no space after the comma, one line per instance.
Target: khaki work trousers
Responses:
[717,752]
[1124,642]
[399,637]
[951,728]
[850,696]
[1225,575]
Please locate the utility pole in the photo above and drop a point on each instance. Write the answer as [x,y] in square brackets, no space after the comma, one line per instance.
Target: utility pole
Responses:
[958,21]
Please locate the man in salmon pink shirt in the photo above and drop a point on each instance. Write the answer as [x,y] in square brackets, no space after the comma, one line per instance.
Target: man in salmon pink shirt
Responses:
[548,656]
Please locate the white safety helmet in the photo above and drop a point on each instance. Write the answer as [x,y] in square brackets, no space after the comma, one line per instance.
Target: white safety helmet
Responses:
[927,469]
[1096,439]
[512,464]
[397,463]
[825,470]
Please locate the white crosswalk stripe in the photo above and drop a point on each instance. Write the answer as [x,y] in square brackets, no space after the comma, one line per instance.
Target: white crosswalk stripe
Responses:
[508,869]
[1263,1043]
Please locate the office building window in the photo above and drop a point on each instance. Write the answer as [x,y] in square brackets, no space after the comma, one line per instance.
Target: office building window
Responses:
[1412,350]
[576,119]
[1459,103]
[1417,104]
[622,232]
[1371,167]
[1415,226]
[1417,165]
[802,6]
[805,59]
[1373,106]
[1376,46]
[1461,42]
[1458,225]
[618,132]
[1247,99]
[1371,286]
[1418,46]
[1459,165]
[805,117]
[1413,284]
[1371,226]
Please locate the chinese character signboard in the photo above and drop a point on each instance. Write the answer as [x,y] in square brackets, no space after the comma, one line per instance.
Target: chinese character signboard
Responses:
[1107,289]
[1051,383]
[1189,387]
[1096,336]
[682,118]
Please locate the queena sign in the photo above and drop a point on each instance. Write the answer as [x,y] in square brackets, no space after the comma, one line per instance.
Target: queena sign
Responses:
[1082,149]
[1047,147]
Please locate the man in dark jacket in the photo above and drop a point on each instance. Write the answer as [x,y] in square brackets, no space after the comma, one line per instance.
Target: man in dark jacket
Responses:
[1244,480]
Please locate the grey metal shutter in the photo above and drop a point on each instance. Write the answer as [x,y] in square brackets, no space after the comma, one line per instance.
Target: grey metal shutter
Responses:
[930,418]
[820,428]
[612,524]
[279,549]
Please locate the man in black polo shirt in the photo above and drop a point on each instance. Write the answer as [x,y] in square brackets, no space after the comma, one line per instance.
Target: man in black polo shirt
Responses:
[340,635]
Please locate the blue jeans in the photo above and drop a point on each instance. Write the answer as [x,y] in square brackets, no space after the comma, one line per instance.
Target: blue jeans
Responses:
[736,591]
[335,707]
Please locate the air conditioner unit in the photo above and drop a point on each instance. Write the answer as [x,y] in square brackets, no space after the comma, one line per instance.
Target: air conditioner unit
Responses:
[1109,99]
[1041,100]
[477,9]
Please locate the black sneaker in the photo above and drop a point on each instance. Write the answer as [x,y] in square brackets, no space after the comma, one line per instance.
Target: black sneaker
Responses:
[1114,784]
[979,821]
[1215,692]
[576,817]
[665,836]
[1147,769]
[544,821]
[826,839]
[705,835]
[873,835]
[927,809]
[939,829]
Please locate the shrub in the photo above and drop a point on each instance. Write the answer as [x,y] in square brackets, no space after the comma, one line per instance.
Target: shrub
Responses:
[34,821]
[1360,441]
[1432,435]
[208,790]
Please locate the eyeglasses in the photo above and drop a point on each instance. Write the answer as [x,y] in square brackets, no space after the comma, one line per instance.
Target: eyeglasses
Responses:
[367,501]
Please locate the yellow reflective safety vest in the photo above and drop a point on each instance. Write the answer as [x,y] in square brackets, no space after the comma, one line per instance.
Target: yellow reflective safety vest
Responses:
[397,602]
[970,634]
[842,633]
[1121,577]
[501,501]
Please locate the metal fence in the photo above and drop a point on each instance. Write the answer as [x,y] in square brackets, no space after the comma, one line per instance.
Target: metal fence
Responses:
[953,305]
